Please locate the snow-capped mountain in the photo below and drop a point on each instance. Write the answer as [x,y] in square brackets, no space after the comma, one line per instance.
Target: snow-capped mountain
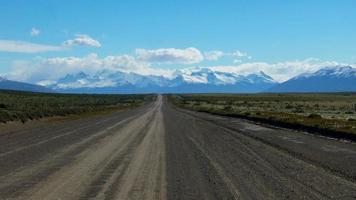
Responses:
[194,80]
[205,80]
[208,76]
[328,79]
[337,71]
[6,84]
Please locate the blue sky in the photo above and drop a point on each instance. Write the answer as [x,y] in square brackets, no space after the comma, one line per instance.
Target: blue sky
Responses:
[271,32]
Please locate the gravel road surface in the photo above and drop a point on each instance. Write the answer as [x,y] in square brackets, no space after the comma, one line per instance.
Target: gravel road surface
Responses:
[161,152]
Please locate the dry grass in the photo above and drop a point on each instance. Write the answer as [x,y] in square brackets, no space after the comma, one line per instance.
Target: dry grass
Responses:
[23,106]
[335,112]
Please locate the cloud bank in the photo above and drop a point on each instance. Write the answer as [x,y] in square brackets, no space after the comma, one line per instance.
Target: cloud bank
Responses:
[53,68]
[143,61]
[57,67]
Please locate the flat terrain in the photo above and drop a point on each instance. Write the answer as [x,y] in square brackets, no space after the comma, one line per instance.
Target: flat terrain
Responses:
[158,151]
[326,113]
[25,106]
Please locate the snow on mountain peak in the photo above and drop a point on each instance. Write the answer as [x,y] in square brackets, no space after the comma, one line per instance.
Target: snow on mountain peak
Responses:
[216,77]
[202,78]
[327,79]
[334,71]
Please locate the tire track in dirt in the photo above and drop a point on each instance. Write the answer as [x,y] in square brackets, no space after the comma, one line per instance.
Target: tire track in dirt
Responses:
[256,169]
[26,177]
[145,176]
[71,181]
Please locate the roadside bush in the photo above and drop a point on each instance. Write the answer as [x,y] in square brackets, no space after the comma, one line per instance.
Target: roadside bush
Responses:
[298,110]
[288,106]
[247,113]
[24,106]
[328,111]
[227,107]
[314,116]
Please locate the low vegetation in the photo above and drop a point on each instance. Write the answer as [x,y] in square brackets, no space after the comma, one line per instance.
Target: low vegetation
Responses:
[24,106]
[317,112]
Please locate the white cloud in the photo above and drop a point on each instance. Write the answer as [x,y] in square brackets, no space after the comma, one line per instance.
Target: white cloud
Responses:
[26,47]
[53,68]
[238,54]
[213,55]
[170,56]
[35,32]
[46,82]
[82,40]
[216,55]
[236,61]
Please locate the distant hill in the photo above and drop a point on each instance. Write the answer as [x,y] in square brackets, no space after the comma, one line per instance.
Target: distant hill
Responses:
[20,86]
[328,79]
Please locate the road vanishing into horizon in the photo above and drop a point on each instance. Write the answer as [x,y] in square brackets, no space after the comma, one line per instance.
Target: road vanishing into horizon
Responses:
[159,151]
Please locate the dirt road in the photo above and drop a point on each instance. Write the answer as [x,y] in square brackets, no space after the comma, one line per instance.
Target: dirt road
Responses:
[161,152]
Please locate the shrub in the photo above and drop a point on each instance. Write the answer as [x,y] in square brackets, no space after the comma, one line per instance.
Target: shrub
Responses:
[227,107]
[24,106]
[289,106]
[351,120]
[298,110]
[247,113]
[314,116]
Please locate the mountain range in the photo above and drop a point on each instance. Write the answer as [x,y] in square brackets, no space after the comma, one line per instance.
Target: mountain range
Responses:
[328,79]
[15,85]
[194,80]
